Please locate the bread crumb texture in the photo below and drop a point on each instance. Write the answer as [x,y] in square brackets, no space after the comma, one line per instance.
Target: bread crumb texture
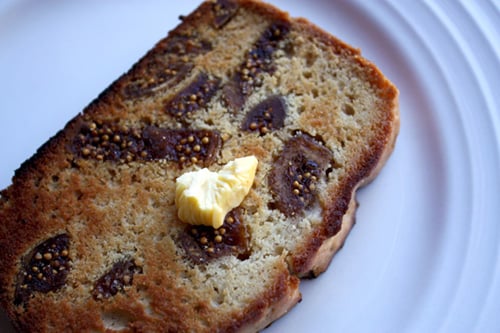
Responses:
[89,226]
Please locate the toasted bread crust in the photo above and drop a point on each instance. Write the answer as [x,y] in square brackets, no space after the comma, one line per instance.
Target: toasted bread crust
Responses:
[105,181]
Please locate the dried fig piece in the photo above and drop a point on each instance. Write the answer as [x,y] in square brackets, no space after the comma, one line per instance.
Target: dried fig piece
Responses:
[182,44]
[232,96]
[110,142]
[296,173]
[266,116]
[185,146]
[159,75]
[203,243]
[193,97]
[258,60]
[45,268]
[223,10]
[166,65]
[116,279]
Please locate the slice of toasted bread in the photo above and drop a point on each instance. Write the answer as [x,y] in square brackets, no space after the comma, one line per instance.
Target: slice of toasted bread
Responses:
[89,226]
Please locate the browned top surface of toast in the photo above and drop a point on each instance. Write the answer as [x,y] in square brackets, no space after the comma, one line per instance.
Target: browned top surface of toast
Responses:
[89,226]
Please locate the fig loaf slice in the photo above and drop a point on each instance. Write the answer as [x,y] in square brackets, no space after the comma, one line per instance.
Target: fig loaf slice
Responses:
[89,226]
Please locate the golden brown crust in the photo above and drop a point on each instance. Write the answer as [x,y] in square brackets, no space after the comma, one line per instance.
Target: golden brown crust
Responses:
[103,184]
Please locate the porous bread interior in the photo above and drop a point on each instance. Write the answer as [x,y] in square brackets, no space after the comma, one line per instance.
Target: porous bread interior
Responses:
[127,210]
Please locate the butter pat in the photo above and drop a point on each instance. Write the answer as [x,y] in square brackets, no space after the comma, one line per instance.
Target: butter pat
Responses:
[204,197]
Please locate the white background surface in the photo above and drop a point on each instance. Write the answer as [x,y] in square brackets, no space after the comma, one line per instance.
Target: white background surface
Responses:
[424,254]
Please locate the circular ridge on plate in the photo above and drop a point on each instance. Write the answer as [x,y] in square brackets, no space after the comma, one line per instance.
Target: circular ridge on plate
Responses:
[426,67]
[470,41]
[478,168]
[479,89]
[448,150]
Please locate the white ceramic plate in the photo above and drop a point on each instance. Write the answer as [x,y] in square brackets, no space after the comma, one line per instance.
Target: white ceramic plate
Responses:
[424,254]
